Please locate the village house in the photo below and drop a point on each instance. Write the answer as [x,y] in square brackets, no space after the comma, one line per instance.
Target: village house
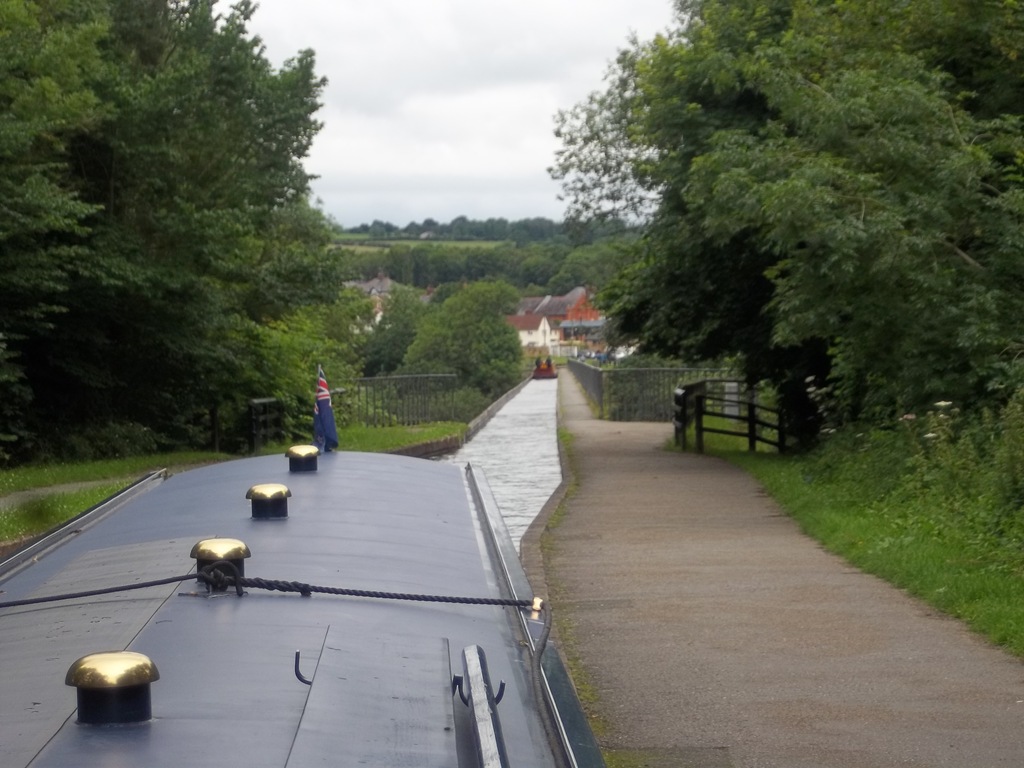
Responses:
[534,331]
[573,320]
[377,289]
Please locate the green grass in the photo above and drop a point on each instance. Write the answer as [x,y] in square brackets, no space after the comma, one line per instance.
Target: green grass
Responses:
[381,439]
[39,476]
[361,247]
[468,243]
[359,242]
[40,514]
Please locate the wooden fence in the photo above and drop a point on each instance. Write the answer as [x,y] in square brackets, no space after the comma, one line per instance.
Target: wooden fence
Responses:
[722,398]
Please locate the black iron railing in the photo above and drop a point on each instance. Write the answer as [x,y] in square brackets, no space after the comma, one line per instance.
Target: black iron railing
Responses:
[266,422]
[591,379]
[384,401]
[377,402]
[634,394]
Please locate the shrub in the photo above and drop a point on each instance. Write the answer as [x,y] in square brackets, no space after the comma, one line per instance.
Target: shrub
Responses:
[109,441]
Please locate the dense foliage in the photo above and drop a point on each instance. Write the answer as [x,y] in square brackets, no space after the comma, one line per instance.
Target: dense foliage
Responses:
[540,268]
[159,254]
[467,335]
[162,263]
[830,191]
[463,228]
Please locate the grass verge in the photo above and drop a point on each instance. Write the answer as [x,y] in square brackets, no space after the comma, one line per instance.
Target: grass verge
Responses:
[45,475]
[384,439]
[40,514]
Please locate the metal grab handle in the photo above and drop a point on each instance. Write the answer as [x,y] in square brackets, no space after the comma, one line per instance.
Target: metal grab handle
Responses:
[477,692]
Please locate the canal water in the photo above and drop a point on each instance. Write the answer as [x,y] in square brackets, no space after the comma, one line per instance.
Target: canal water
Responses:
[518,453]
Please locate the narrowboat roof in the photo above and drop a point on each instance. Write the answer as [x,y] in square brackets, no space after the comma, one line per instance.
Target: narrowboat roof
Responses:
[229,688]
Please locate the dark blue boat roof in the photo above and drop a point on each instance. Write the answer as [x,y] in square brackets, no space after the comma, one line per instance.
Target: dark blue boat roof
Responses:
[381,670]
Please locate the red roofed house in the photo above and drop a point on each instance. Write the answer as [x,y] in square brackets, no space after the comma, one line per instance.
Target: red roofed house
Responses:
[534,332]
[571,317]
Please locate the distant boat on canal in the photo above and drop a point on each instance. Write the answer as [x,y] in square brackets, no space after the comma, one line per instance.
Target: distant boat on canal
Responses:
[544,369]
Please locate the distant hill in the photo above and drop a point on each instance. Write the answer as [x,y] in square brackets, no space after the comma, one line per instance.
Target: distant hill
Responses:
[463,229]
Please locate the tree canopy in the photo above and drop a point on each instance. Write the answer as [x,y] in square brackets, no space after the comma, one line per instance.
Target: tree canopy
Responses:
[830,191]
[467,335]
[156,220]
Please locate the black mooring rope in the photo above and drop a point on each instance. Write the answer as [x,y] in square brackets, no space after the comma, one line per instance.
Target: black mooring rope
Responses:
[94,592]
[215,576]
[307,589]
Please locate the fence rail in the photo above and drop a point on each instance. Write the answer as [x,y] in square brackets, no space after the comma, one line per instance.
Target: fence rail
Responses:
[385,401]
[266,422]
[722,398]
[634,394]
[382,401]
[591,379]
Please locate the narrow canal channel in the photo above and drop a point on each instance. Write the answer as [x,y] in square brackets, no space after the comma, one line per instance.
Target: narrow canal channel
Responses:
[518,453]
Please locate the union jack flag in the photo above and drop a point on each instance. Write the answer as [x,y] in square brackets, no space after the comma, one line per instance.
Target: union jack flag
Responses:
[325,433]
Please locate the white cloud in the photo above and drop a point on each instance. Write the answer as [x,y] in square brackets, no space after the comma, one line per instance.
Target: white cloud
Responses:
[441,108]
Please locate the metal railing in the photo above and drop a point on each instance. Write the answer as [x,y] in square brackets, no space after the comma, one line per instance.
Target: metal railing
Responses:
[384,401]
[266,422]
[643,394]
[381,401]
[591,379]
[634,394]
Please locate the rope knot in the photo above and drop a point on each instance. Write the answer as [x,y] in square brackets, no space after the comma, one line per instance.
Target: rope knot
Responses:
[221,575]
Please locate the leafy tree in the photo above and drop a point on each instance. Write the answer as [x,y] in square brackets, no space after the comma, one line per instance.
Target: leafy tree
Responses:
[820,198]
[290,270]
[200,227]
[589,265]
[391,337]
[381,229]
[290,349]
[468,336]
[459,228]
[539,265]
[49,56]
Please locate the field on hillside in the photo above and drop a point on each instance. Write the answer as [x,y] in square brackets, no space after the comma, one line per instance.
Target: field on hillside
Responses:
[362,243]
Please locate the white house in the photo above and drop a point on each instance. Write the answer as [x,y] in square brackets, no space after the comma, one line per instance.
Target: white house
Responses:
[535,332]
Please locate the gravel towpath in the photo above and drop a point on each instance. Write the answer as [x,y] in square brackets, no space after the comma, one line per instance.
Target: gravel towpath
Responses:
[716,634]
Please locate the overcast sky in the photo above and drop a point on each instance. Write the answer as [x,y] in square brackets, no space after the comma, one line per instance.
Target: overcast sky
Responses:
[441,108]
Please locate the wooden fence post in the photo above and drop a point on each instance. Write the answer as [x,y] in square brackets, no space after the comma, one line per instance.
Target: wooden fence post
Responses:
[751,427]
[686,420]
[698,421]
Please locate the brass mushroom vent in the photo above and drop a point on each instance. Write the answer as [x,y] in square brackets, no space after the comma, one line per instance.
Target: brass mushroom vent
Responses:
[269,500]
[210,551]
[113,687]
[302,458]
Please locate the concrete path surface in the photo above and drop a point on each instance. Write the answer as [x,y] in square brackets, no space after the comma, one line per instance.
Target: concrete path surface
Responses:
[716,634]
